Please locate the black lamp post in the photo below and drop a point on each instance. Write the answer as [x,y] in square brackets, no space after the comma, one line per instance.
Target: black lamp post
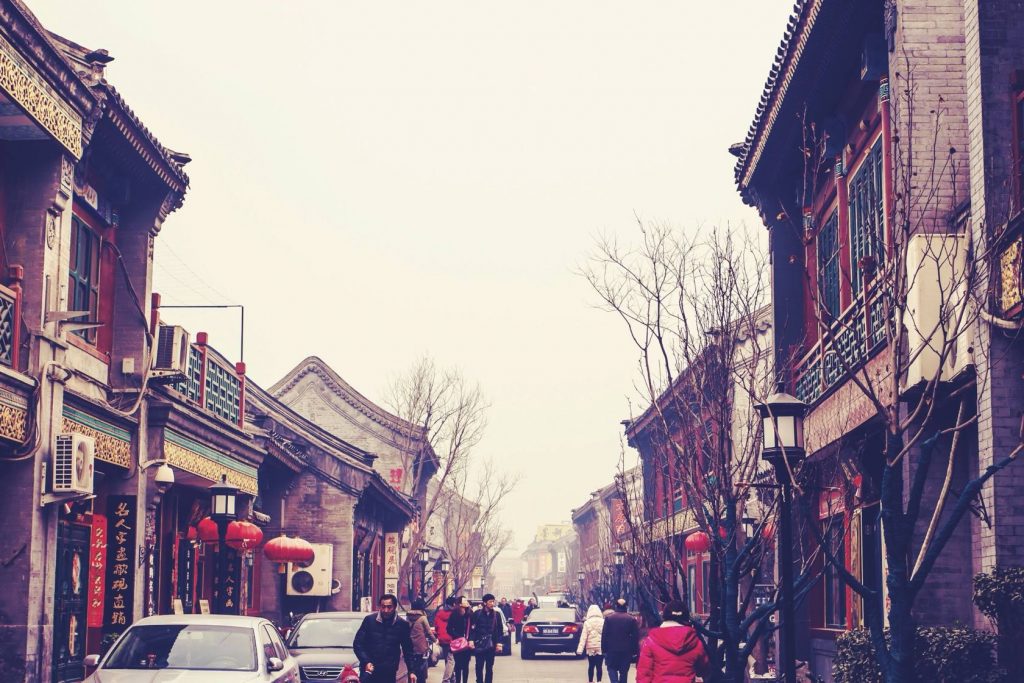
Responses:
[581,577]
[620,564]
[782,419]
[424,561]
[446,566]
[222,511]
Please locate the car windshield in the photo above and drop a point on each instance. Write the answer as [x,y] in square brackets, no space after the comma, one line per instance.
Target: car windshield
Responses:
[560,615]
[185,646]
[323,632]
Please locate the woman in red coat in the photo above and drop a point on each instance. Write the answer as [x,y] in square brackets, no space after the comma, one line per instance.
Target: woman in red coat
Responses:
[672,653]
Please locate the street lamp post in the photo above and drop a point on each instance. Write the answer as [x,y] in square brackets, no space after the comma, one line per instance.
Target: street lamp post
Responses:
[620,562]
[223,497]
[782,418]
[581,577]
[446,566]
[424,561]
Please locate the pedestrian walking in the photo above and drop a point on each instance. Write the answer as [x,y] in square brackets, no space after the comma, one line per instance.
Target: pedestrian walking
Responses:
[486,639]
[444,639]
[421,637]
[590,642]
[620,642]
[518,617]
[460,625]
[506,609]
[672,652]
[381,641]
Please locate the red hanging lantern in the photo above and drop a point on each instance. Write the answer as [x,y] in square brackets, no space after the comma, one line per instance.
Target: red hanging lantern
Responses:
[207,530]
[284,549]
[243,535]
[768,532]
[698,542]
[722,533]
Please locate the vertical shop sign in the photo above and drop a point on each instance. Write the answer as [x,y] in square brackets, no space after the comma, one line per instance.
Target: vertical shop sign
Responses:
[117,610]
[97,571]
[185,575]
[232,573]
[392,547]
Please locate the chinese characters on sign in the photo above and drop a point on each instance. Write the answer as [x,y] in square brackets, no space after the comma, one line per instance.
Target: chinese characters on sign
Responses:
[396,475]
[120,574]
[392,548]
[232,569]
[97,571]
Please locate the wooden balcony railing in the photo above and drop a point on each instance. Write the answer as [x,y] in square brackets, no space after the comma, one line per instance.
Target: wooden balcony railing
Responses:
[851,340]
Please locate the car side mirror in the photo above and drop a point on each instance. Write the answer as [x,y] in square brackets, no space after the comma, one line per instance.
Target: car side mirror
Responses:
[274,664]
[91,661]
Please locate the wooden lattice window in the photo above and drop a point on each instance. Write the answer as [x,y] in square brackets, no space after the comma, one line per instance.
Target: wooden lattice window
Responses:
[828,268]
[867,218]
[84,274]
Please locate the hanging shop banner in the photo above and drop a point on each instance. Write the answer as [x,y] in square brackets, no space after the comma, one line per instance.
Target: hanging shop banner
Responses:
[185,577]
[117,610]
[97,571]
[392,548]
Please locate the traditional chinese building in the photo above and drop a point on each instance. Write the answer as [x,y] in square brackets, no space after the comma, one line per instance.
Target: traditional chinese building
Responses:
[402,457]
[916,112]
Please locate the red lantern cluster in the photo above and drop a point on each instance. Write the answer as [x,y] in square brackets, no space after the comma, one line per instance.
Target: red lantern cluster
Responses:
[284,549]
[243,535]
[698,542]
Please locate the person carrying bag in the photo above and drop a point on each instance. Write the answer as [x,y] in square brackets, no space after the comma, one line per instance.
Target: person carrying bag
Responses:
[459,628]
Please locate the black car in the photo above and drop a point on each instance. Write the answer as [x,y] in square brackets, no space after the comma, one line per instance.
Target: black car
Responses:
[322,644]
[553,630]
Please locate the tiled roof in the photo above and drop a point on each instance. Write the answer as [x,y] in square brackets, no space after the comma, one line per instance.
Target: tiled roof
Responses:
[786,57]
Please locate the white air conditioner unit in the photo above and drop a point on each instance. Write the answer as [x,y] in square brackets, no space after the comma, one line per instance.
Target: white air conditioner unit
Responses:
[73,462]
[172,349]
[313,578]
[940,312]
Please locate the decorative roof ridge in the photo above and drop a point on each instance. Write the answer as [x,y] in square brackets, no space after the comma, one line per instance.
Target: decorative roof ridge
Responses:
[800,22]
[163,161]
[345,391]
[310,430]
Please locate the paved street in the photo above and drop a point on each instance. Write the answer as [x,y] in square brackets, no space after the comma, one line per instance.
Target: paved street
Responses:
[543,669]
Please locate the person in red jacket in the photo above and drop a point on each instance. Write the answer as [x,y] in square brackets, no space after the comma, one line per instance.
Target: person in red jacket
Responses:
[672,653]
[445,639]
[518,617]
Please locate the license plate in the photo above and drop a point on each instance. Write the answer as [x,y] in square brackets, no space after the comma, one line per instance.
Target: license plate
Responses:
[549,630]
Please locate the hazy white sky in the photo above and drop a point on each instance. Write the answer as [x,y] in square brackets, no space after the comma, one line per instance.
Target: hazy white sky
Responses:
[379,180]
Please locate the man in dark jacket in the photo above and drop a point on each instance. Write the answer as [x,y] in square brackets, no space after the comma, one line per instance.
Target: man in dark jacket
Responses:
[380,638]
[486,639]
[620,642]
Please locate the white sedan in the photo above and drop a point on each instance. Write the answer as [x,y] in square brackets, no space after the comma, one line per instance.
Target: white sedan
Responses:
[195,647]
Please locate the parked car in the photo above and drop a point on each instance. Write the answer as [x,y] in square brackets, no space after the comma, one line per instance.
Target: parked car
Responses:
[321,643]
[553,630]
[196,647]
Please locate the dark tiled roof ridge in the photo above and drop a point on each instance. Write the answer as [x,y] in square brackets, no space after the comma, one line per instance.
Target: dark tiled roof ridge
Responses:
[796,18]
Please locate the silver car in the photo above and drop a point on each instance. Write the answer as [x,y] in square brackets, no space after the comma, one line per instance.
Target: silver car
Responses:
[196,647]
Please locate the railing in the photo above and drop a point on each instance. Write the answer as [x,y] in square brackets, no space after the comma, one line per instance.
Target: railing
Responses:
[211,383]
[10,318]
[851,340]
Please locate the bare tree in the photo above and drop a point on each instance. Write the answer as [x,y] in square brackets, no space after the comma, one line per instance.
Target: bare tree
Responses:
[470,510]
[695,307]
[450,416]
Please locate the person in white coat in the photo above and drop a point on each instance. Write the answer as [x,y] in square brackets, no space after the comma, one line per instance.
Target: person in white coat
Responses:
[590,642]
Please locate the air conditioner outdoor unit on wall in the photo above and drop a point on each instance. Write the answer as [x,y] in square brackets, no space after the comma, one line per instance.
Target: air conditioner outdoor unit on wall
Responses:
[939,309]
[313,579]
[171,354]
[73,463]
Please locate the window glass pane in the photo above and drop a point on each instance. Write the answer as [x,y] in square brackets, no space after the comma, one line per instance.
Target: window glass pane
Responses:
[705,588]
[691,584]
[828,267]
[835,591]
[866,216]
